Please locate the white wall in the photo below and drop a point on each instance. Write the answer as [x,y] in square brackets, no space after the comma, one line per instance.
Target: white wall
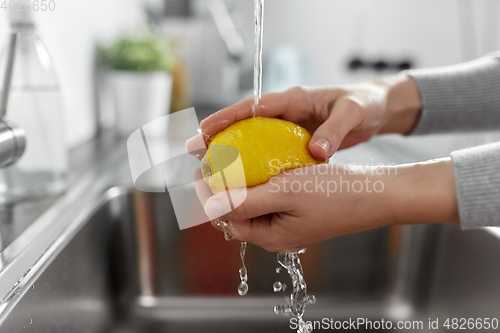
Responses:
[328,30]
[432,32]
[70,33]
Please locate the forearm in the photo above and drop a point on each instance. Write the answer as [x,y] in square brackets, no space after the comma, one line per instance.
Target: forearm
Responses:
[423,193]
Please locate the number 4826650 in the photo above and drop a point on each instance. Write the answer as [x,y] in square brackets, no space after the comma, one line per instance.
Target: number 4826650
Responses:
[471,323]
[28,5]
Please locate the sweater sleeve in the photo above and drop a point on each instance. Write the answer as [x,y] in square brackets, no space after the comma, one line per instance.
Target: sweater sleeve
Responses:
[463,97]
[477,183]
[466,97]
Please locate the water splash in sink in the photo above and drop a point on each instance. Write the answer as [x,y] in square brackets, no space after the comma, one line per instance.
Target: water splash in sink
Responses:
[299,297]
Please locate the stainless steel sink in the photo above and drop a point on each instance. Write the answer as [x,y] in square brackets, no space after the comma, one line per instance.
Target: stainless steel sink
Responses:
[116,261]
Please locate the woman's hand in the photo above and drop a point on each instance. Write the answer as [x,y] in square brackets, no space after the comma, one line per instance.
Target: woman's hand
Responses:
[337,118]
[308,205]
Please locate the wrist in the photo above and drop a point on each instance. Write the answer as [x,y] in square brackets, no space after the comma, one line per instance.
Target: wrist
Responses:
[424,193]
[403,104]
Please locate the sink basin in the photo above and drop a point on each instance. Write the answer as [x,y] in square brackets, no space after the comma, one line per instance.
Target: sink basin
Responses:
[123,265]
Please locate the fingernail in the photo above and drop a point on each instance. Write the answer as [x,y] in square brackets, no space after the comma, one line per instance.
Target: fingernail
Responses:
[323,144]
[195,143]
[213,209]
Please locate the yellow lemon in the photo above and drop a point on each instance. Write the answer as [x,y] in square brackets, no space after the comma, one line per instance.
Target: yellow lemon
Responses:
[266,146]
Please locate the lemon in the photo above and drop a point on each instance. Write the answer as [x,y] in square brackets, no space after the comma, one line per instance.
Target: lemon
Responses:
[266,146]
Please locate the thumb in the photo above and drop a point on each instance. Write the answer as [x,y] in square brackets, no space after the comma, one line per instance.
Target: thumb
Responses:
[327,138]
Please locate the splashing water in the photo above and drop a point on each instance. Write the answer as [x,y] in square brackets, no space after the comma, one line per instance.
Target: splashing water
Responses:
[278,286]
[228,235]
[257,66]
[243,287]
[299,298]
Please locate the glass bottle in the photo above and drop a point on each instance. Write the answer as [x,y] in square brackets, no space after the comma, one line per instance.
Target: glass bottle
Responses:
[34,105]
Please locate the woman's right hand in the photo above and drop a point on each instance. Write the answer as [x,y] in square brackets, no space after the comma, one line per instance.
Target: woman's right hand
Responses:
[337,117]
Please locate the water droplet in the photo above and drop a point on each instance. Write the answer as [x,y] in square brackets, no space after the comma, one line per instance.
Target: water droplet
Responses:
[206,137]
[243,289]
[277,286]
[278,270]
[33,287]
[281,308]
[228,235]
[31,321]
[303,327]
[302,251]
[243,274]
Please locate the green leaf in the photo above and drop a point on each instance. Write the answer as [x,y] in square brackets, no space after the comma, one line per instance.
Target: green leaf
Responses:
[133,53]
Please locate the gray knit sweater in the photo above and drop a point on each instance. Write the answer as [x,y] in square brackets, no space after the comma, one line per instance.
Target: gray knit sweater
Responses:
[466,97]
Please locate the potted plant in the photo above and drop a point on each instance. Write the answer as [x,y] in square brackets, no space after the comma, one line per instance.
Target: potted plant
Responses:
[139,74]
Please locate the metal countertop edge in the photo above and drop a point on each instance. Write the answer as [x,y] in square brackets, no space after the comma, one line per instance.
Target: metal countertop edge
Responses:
[39,244]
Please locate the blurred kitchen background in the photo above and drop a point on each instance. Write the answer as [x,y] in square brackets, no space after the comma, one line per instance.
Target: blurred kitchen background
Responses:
[102,256]
[316,42]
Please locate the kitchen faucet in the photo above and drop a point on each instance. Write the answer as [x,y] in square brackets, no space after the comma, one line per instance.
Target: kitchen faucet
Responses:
[12,139]
[227,29]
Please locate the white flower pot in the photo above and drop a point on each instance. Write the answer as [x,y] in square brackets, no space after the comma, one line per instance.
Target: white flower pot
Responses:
[139,97]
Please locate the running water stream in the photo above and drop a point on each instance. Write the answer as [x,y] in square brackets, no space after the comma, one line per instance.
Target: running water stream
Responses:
[290,260]
[257,92]
[243,287]
[257,66]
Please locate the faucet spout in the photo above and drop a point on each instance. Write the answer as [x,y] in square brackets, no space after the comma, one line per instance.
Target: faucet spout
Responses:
[227,29]
[12,139]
